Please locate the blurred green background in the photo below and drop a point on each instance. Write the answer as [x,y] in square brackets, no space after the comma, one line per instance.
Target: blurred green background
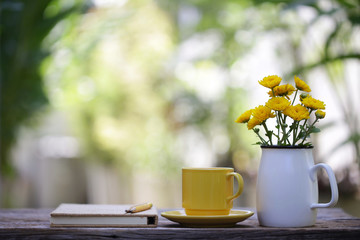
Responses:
[104,101]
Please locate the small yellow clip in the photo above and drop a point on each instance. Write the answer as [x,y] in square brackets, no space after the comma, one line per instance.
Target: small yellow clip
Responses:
[139,208]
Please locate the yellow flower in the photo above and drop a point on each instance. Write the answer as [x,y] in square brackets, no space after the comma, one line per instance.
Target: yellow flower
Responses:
[301,85]
[270,81]
[278,103]
[282,90]
[313,103]
[297,112]
[253,122]
[245,117]
[320,114]
[262,113]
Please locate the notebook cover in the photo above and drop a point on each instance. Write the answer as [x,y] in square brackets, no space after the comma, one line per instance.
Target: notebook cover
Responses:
[101,215]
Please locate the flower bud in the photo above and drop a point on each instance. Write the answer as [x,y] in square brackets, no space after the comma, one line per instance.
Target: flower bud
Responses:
[256,130]
[303,95]
[320,114]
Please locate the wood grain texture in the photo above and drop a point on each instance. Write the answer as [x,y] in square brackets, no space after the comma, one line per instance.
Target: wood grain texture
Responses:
[34,224]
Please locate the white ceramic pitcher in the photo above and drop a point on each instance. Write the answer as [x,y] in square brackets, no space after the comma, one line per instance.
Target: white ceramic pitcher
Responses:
[287,188]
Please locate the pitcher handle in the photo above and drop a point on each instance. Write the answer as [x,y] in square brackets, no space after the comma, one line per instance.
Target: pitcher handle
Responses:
[240,185]
[333,185]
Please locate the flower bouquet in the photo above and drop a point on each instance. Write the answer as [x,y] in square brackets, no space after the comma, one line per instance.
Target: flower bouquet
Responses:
[286,188]
[293,124]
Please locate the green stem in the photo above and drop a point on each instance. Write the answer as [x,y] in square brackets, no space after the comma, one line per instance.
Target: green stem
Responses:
[304,127]
[279,125]
[261,139]
[288,141]
[308,130]
[295,96]
[276,136]
[295,130]
[296,136]
[267,132]
[283,127]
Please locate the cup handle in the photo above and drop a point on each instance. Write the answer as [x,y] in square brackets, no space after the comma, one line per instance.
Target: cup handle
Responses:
[240,185]
[333,185]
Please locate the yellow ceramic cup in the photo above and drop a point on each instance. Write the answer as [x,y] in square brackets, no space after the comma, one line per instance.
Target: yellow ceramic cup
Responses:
[209,191]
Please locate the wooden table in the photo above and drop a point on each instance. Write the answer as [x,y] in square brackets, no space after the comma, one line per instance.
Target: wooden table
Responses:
[34,224]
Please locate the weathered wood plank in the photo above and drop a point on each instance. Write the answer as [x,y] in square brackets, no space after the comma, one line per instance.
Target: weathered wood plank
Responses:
[34,224]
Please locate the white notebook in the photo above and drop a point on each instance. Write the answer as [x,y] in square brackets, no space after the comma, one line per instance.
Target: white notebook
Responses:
[101,215]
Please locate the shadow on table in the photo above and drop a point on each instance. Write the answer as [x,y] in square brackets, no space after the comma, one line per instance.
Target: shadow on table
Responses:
[176,225]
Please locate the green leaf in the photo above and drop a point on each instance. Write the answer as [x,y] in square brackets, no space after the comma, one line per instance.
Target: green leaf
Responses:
[301,135]
[314,130]
[308,144]
[293,126]
[269,133]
